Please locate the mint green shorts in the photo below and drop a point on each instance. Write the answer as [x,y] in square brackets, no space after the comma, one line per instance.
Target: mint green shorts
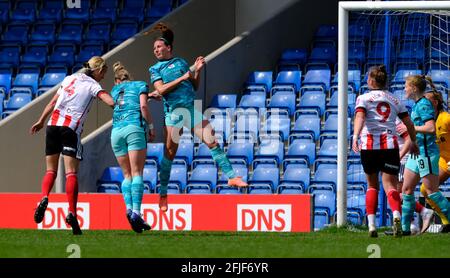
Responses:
[423,165]
[183,116]
[128,138]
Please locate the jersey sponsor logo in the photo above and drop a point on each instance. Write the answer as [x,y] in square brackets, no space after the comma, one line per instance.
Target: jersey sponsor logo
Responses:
[69,149]
[273,218]
[56,213]
[177,218]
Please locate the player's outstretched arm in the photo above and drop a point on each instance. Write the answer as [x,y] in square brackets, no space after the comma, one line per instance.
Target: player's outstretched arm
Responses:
[47,110]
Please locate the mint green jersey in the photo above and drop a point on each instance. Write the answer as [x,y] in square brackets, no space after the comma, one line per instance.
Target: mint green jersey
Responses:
[167,71]
[127,107]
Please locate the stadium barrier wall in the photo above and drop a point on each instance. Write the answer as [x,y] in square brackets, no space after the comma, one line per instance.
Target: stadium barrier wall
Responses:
[100,211]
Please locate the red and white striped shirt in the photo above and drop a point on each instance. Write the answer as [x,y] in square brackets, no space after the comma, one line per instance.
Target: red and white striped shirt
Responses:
[381,108]
[76,94]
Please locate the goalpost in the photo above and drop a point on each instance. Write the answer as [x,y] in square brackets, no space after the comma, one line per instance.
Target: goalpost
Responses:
[344,9]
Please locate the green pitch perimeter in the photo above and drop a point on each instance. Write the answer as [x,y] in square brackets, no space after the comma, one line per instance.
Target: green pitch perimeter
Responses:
[331,243]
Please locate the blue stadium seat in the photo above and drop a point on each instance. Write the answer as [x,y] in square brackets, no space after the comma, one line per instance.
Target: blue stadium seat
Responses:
[357,52]
[88,50]
[351,102]
[292,59]
[270,150]
[16,33]
[331,125]
[70,32]
[203,176]
[259,80]
[185,152]
[319,77]
[325,55]
[354,81]
[5,7]
[313,100]
[155,152]
[111,175]
[324,198]
[150,176]
[299,150]
[5,79]
[43,33]
[356,200]
[133,9]
[248,123]
[78,14]
[416,29]
[203,153]
[240,169]
[321,219]
[49,80]
[296,176]
[178,178]
[222,125]
[328,148]
[359,30]
[155,11]
[241,151]
[307,123]
[325,175]
[108,188]
[25,82]
[105,11]
[283,100]
[51,11]
[290,79]
[265,176]
[411,51]
[401,75]
[253,100]
[2,97]
[10,55]
[63,54]
[25,11]
[224,101]
[98,32]
[326,32]
[440,77]
[356,175]
[123,30]
[278,125]
[35,54]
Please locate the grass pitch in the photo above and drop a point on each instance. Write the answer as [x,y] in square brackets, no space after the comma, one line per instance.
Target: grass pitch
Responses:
[332,242]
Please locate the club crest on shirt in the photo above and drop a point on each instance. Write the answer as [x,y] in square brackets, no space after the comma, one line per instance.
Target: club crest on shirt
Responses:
[171,66]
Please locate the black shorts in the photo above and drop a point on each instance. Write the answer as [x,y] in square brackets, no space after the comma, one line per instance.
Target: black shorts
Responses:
[61,139]
[387,161]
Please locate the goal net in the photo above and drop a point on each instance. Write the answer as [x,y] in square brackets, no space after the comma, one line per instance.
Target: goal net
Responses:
[409,37]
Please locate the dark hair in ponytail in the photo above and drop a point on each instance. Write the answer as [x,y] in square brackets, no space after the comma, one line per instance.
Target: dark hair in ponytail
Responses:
[379,74]
[166,35]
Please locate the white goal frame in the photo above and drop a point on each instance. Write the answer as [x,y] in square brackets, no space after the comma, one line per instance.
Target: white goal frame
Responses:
[344,8]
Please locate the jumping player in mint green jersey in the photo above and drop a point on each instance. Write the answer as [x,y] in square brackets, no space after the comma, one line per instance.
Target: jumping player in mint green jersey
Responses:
[132,128]
[425,166]
[175,84]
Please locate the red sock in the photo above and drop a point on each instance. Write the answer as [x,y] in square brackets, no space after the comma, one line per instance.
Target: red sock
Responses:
[72,191]
[394,200]
[47,182]
[371,201]
[419,207]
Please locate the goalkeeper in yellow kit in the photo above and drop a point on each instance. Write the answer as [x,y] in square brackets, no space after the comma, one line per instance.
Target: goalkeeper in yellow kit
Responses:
[443,141]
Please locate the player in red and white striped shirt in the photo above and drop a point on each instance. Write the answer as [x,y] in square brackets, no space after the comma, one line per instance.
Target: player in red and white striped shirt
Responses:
[375,117]
[69,108]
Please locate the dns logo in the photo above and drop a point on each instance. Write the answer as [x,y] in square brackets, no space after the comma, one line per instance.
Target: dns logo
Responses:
[73,4]
[55,216]
[273,218]
[177,218]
